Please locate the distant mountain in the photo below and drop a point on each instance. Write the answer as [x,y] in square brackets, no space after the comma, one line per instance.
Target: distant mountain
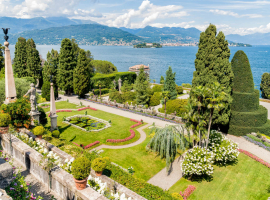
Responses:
[167,34]
[18,25]
[85,34]
[132,31]
[254,39]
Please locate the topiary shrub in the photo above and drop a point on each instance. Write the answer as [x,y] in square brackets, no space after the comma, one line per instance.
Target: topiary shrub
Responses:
[157,88]
[176,105]
[264,86]
[179,89]
[39,130]
[246,114]
[177,196]
[155,99]
[186,85]
[5,119]
[42,117]
[56,134]
[81,168]
[99,164]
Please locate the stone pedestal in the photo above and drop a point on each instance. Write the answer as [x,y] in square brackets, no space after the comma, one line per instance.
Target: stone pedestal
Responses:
[34,116]
[54,122]
[10,90]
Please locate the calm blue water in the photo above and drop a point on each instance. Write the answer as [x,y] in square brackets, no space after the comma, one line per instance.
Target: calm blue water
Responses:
[181,59]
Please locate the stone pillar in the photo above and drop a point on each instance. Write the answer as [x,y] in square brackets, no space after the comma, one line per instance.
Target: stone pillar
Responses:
[120,84]
[9,77]
[53,115]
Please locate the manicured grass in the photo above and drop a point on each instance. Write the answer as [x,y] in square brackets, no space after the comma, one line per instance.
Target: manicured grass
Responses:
[246,180]
[64,105]
[119,129]
[146,164]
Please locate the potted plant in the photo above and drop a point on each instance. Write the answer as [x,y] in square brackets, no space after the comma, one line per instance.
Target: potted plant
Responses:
[39,131]
[81,168]
[99,164]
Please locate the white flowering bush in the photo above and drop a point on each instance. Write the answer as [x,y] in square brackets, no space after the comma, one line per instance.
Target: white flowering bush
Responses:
[224,150]
[198,161]
[102,188]
[67,165]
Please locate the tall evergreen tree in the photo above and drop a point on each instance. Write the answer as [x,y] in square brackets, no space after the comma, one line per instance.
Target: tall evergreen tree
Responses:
[33,62]
[169,84]
[212,65]
[161,80]
[19,64]
[2,60]
[265,85]
[142,87]
[67,64]
[81,75]
[50,68]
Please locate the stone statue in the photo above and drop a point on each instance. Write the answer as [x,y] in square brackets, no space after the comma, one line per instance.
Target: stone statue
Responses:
[5,30]
[33,99]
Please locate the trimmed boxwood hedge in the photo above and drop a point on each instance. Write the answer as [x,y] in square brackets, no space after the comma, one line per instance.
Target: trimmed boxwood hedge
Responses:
[155,99]
[245,101]
[103,91]
[243,130]
[255,118]
[107,79]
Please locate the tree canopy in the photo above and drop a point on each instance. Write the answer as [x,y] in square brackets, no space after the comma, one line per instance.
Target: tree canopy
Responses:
[169,84]
[142,88]
[103,67]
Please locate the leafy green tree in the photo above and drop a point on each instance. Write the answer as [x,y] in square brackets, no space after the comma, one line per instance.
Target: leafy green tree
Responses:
[212,65]
[2,59]
[81,76]
[51,68]
[46,90]
[265,85]
[161,80]
[33,62]
[89,55]
[20,58]
[142,88]
[169,84]
[167,142]
[75,48]
[67,64]
[103,66]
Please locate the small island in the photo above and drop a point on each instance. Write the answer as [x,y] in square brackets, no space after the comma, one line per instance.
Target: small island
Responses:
[148,45]
[233,44]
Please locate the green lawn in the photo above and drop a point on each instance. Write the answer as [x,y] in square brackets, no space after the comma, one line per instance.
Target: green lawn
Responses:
[146,164]
[247,180]
[119,129]
[63,105]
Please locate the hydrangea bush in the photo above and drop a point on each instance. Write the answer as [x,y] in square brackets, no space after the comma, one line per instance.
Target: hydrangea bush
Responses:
[224,150]
[198,161]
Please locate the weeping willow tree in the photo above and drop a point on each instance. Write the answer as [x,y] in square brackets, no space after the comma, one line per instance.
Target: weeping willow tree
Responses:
[167,142]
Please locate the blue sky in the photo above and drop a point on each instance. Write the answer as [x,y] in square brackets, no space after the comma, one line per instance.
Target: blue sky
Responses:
[231,17]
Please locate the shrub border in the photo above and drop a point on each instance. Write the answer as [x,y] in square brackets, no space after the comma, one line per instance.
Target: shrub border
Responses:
[255,157]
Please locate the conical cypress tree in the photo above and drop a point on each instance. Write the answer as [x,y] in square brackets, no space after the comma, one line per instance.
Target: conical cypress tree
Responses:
[169,84]
[264,86]
[246,115]
[212,65]
[50,68]
[81,75]
[142,87]
[2,60]
[67,64]
[19,64]
[33,62]
[161,80]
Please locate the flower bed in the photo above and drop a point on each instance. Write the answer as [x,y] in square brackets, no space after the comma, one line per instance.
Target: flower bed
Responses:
[136,112]
[87,123]
[80,109]
[254,157]
[123,140]
[257,143]
[135,125]
[92,144]
[190,189]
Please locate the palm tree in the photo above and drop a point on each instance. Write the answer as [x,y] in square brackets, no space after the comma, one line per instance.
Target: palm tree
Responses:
[167,142]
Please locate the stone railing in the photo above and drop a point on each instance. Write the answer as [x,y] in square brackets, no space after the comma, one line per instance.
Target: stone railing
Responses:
[60,181]
[139,109]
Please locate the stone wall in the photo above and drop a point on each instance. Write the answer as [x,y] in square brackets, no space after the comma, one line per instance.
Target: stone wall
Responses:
[62,182]
[5,174]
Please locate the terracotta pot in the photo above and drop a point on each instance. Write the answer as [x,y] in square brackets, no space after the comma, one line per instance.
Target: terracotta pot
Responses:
[98,173]
[39,137]
[80,184]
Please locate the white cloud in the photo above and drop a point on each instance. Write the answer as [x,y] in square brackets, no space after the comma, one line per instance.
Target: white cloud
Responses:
[146,14]
[222,12]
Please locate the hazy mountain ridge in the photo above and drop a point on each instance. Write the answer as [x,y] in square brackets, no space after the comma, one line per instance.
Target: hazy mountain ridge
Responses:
[254,39]
[85,34]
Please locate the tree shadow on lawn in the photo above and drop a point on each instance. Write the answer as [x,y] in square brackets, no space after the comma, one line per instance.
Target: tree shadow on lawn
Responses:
[268,189]
[230,163]
[199,179]
[107,172]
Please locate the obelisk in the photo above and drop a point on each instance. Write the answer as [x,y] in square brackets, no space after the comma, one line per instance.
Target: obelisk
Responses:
[53,115]
[10,88]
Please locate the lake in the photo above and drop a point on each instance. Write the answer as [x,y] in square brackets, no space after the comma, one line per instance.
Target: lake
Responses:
[181,59]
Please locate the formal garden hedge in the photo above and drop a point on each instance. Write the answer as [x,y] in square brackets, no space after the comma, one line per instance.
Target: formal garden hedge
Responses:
[103,91]
[107,79]
[155,99]
[246,114]
[177,105]
[122,97]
